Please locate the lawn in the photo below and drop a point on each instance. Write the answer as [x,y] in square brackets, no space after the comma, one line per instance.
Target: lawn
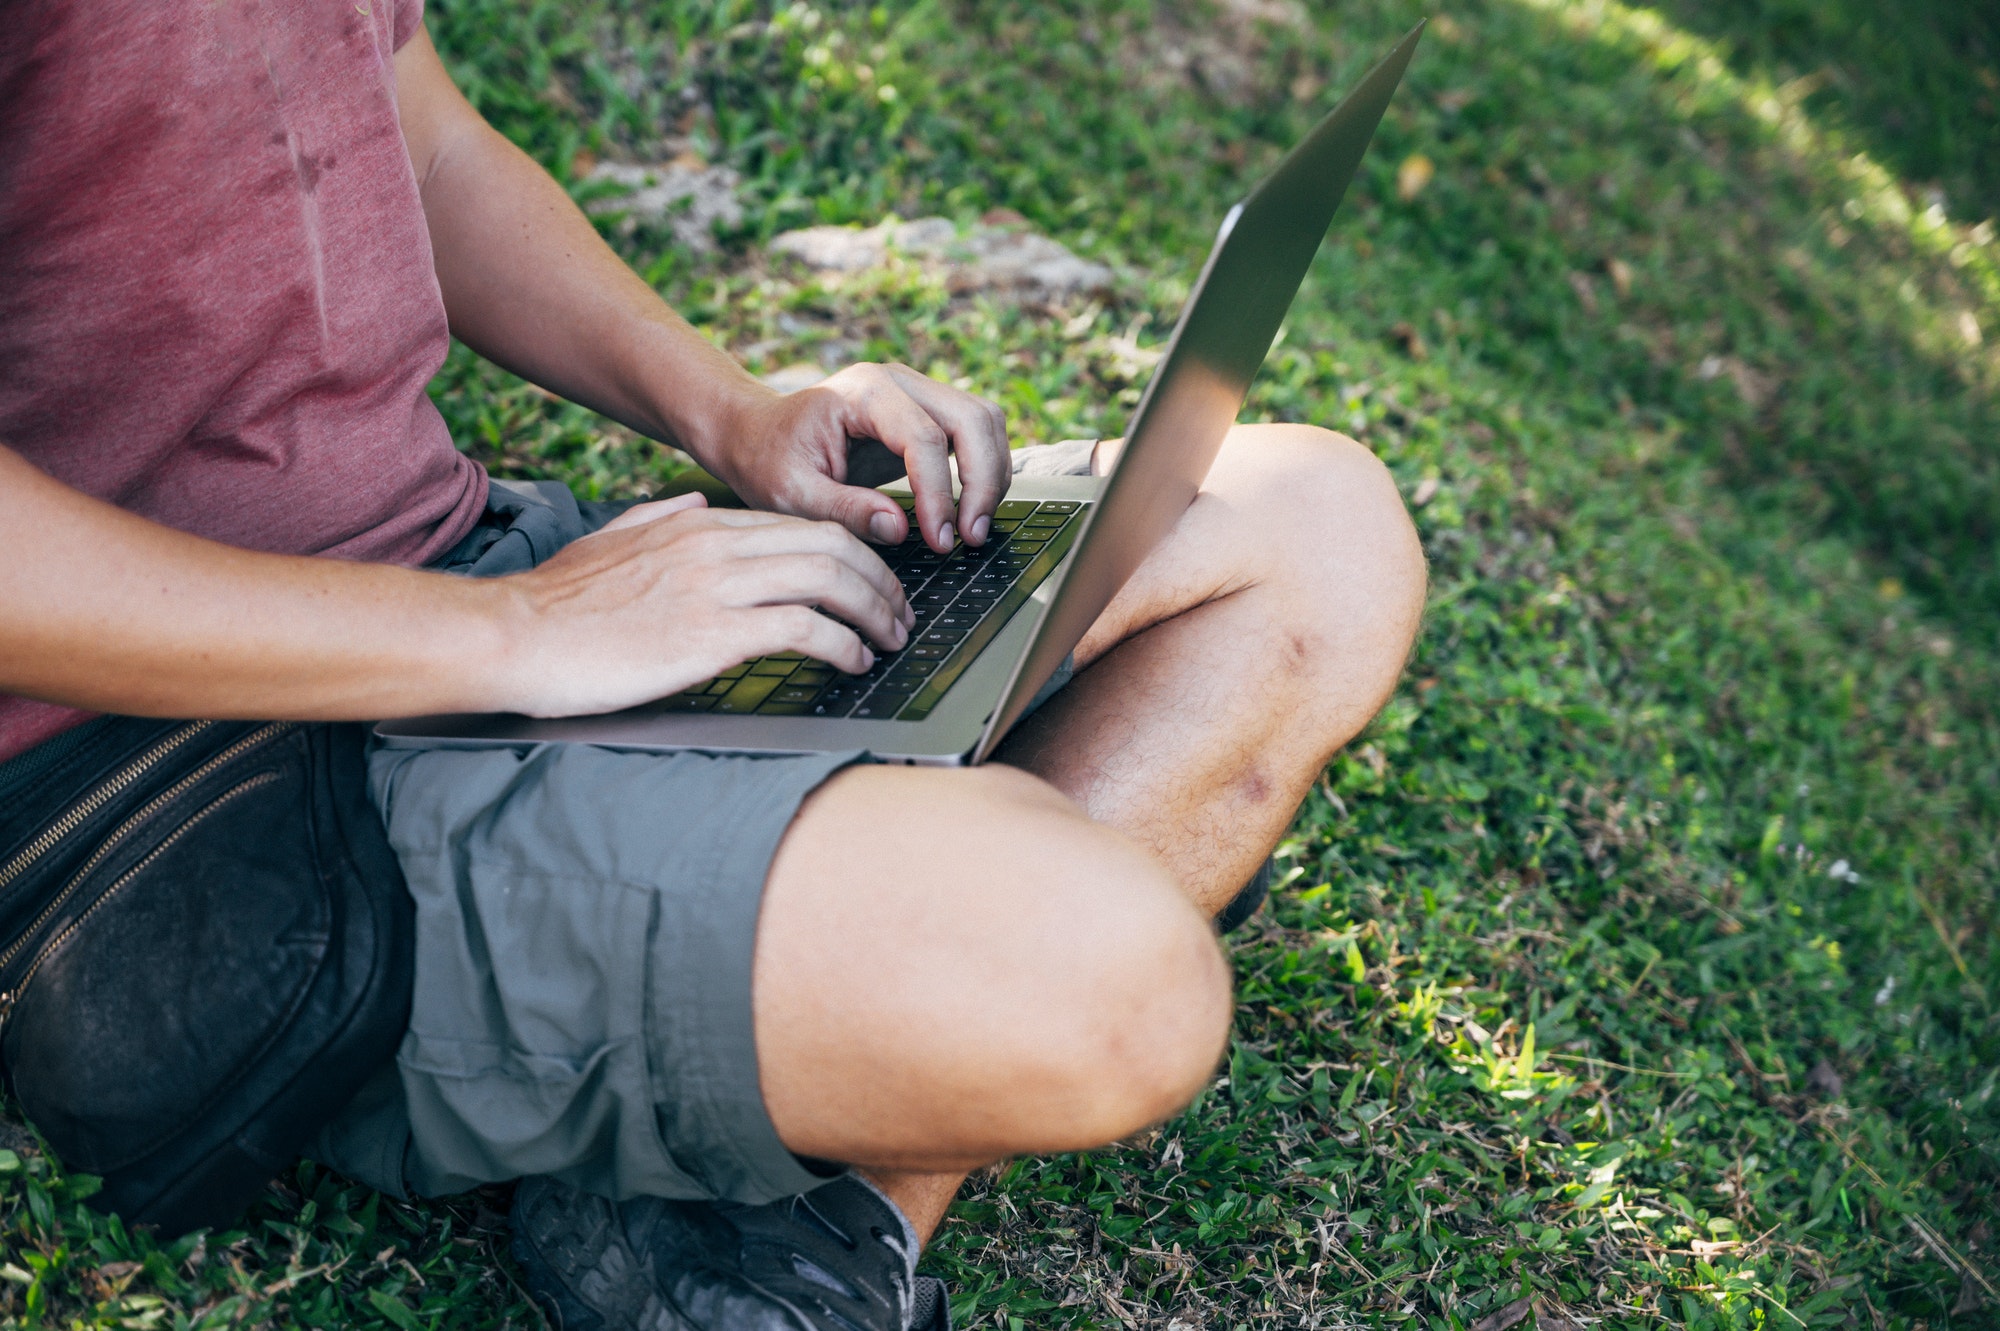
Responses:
[1637,965]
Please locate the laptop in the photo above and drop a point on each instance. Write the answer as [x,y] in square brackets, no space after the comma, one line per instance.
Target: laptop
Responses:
[995,623]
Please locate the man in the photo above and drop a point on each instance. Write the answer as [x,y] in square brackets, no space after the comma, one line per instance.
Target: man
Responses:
[746,1023]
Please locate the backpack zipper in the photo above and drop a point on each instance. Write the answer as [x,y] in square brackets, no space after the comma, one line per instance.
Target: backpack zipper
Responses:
[48,949]
[73,817]
[69,822]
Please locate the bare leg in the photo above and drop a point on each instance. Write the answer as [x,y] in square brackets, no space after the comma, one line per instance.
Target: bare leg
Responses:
[996,954]
[1262,636]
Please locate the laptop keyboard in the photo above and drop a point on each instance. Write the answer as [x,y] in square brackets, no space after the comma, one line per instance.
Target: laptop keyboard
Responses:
[961,601]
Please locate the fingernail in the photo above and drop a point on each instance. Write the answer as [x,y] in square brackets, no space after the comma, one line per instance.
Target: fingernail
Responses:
[867,661]
[882,527]
[980,526]
[902,637]
[946,536]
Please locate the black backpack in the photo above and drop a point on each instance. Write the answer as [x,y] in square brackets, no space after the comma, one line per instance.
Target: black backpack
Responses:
[205,950]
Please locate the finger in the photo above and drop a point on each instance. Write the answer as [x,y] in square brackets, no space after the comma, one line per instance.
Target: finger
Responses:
[795,537]
[882,410]
[868,514]
[794,628]
[640,514]
[978,431]
[823,582]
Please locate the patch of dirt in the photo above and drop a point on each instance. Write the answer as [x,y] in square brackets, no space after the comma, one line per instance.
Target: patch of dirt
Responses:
[1002,256]
[685,196]
[1219,49]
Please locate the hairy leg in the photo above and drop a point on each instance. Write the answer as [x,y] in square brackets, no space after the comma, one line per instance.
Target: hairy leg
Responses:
[957,966]
[1261,637]
[1038,988]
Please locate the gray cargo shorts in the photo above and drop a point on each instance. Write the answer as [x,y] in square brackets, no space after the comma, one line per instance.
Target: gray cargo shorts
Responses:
[585,925]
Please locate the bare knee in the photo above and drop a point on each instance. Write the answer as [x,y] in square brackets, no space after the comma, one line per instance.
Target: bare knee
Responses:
[1339,546]
[1326,496]
[1133,1029]
[1115,1016]
[955,967]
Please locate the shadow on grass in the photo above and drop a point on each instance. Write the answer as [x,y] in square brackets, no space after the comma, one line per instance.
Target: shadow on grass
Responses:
[1917,85]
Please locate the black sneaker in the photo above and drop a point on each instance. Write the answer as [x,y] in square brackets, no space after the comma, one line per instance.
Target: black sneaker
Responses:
[1245,903]
[839,1258]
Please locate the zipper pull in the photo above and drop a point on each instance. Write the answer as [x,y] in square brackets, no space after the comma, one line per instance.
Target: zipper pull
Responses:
[6,1006]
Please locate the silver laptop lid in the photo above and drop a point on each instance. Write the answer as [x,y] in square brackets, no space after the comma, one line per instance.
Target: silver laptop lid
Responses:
[1260,256]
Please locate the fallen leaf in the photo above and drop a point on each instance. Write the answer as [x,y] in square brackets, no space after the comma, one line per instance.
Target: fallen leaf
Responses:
[1411,341]
[1621,276]
[1411,177]
[1968,328]
[1502,1318]
[1426,491]
[582,164]
[1585,289]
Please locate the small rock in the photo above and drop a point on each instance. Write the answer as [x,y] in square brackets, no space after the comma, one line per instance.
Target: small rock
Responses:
[836,249]
[791,378]
[1004,257]
[1823,1081]
[686,197]
[16,1137]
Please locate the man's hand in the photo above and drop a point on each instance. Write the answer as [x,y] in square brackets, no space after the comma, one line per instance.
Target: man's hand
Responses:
[110,612]
[789,453]
[672,593]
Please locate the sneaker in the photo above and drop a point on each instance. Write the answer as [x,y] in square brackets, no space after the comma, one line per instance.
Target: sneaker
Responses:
[839,1258]
[1245,903]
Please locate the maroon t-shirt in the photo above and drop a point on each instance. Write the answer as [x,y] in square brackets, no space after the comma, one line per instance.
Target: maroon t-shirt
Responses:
[217,302]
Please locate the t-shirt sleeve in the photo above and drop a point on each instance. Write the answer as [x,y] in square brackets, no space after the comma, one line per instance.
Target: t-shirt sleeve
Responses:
[409,17]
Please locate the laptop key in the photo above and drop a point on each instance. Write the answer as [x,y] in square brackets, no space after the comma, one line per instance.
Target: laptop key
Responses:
[748,693]
[773,667]
[989,626]
[793,693]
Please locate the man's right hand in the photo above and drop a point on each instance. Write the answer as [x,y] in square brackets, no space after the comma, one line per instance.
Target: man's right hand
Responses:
[673,593]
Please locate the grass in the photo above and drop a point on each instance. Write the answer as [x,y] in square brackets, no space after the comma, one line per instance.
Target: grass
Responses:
[1636,966]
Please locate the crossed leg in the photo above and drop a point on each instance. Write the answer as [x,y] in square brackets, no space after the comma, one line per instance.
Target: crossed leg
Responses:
[953,967]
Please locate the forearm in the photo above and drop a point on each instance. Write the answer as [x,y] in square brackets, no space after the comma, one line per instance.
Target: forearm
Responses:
[104,610]
[529,284]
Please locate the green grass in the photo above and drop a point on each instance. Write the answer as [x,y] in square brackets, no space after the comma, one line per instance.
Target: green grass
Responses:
[1638,960]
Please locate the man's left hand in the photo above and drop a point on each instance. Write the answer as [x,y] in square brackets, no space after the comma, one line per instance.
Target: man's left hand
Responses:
[789,453]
